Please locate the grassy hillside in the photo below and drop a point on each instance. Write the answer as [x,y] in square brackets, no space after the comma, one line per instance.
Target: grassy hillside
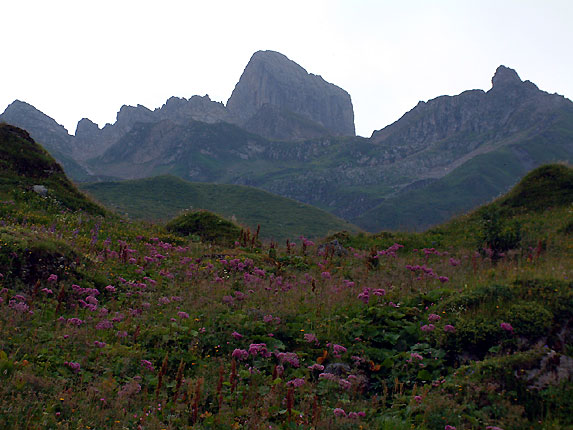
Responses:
[163,197]
[25,164]
[112,324]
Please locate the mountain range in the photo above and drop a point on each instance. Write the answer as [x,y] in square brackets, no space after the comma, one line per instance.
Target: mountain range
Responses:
[292,133]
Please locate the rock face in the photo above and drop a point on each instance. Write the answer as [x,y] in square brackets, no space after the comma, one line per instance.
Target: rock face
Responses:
[91,141]
[42,128]
[197,108]
[473,117]
[272,81]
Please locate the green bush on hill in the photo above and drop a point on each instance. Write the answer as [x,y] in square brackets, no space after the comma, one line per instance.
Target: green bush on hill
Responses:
[206,225]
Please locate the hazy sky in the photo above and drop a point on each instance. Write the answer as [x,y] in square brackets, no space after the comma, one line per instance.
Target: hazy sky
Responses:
[80,58]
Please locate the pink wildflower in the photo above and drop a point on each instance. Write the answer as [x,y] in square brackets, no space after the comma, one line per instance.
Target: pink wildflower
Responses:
[259,348]
[310,338]
[434,318]
[507,327]
[73,366]
[448,328]
[288,357]
[74,321]
[297,382]
[337,350]
[104,325]
[328,376]
[316,366]
[428,328]
[339,412]
[240,354]
[237,335]
[147,364]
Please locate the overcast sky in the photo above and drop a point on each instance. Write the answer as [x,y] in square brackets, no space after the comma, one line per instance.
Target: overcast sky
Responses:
[84,58]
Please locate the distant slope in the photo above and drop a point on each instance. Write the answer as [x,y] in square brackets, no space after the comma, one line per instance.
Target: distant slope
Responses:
[24,164]
[541,201]
[163,197]
[471,184]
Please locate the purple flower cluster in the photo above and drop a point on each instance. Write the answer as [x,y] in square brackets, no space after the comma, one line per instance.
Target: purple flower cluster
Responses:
[428,328]
[337,350]
[240,354]
[259,349]
[147,365]
[297,382]
[75,367]
[288,357]
[341,413]
[434,318]
[365,294]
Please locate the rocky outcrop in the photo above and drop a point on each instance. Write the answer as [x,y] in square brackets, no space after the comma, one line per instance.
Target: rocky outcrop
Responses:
[509,106]
[47,132]
[43,129]
[276,123]
[197,108]
[271,79]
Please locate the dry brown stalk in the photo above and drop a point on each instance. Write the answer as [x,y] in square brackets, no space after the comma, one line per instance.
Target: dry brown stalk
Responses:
[179,380]
[160,376]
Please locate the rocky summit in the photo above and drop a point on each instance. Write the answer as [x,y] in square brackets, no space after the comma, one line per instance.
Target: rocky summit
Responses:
[276,89]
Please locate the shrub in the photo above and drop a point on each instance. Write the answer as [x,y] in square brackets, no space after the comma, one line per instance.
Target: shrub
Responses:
[207,225]
[475,336]
[498,234]
[530,320]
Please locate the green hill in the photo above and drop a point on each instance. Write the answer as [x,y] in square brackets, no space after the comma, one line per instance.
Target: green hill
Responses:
[25,165]
[539,204]
[163,197]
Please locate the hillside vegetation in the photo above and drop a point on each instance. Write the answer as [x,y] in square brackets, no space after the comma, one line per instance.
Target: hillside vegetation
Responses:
[24,164]
[163,197]
[107,323]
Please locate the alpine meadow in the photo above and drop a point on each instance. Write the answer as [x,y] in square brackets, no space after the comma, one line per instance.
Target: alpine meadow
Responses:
[257,265]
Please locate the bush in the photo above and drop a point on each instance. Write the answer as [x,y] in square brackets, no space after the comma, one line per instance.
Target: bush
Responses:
[530,320]
[475,336]
[498,234]
[207,225]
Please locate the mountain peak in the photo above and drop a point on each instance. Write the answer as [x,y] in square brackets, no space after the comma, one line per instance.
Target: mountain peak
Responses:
[505,76]
[273,82]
